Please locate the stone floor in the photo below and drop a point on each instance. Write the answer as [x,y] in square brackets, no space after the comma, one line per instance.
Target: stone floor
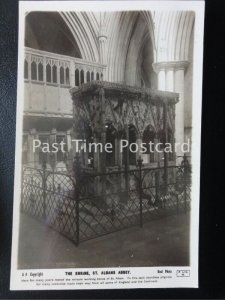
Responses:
[163,242]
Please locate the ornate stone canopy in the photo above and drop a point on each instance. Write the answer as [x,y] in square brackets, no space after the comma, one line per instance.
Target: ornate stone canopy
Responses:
[105,111]
[98,103]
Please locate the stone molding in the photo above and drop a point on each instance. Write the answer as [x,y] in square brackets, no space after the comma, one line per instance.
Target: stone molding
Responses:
[170,65]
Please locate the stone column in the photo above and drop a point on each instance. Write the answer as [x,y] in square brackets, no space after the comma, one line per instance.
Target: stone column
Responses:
[162,80]
[179,88]
[171,76]
[179,118]
[102,38]
[170,79]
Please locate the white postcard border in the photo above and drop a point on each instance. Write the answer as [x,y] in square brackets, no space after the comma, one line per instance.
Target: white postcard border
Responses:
[198,8]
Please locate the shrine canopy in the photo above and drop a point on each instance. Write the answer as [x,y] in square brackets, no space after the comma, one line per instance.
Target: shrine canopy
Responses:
[98,103]
[110,88]
[109,112]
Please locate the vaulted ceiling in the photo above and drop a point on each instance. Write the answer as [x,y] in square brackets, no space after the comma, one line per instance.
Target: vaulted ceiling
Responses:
[133,39]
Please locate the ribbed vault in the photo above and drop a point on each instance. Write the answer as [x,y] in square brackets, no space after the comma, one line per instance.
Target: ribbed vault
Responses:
[84,28]
[172,35]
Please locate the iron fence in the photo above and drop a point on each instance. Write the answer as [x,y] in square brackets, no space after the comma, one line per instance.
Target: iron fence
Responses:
[83,206]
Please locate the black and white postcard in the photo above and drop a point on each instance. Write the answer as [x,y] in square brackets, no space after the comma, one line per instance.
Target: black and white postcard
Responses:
[107,172]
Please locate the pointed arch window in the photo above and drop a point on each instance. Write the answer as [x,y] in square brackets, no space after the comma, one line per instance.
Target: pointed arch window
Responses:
[77,77]
[67,76]
[88,76]
[54,74]
[48,73]
[33,70]
[40,71]
[82,76]
[61,75]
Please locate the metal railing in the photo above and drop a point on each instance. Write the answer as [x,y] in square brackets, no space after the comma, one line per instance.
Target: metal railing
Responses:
[83,206]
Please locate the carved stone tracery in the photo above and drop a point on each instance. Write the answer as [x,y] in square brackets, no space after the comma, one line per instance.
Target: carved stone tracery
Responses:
[99,103]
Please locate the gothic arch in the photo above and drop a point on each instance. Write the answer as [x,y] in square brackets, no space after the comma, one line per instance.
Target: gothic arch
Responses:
[150,128]
[47,31]
[84,28]
[140,56]
[120,27]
